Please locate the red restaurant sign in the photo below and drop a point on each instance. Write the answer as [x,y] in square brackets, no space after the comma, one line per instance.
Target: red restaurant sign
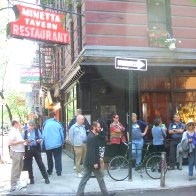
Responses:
[37,24]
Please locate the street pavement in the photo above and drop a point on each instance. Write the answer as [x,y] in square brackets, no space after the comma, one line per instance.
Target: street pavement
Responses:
[67,183]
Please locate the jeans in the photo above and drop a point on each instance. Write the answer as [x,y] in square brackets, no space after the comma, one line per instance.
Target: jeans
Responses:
[137,146]
[57,153]
[86,177]
[192,162]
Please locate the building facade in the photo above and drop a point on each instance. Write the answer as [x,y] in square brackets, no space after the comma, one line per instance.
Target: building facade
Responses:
[142,29]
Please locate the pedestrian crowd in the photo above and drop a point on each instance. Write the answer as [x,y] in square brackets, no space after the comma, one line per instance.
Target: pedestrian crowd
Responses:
[89,142]
[182,140]
[29,144]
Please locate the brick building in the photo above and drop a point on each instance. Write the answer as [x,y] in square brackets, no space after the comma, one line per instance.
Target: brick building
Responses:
[102,30]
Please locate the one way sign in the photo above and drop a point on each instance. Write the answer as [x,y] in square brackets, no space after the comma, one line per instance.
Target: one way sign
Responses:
[130,63]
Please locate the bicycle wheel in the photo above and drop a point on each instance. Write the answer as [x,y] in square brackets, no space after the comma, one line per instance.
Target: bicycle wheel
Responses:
[153,167]
[118,168]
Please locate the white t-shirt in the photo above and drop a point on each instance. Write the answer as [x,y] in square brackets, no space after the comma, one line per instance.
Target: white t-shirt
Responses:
[15,135]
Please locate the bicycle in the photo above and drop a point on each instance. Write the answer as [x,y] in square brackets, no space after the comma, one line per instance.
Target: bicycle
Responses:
[118,166]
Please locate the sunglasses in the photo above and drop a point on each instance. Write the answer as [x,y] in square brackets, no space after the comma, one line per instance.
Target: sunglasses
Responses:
[191,125]
[116,117]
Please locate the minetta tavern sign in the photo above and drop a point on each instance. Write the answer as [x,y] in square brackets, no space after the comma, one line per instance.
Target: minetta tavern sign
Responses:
[37,24]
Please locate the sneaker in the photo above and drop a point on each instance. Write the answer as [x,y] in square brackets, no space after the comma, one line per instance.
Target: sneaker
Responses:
[74,167]
[47,181]
[179,167]
[190,178]
[58,174]
[12,189]
[15,188]
[79,175]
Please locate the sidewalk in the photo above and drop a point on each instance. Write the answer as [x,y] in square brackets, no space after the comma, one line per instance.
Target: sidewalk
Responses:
[67,183]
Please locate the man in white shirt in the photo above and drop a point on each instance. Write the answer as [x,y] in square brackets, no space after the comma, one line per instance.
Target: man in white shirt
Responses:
[16,143]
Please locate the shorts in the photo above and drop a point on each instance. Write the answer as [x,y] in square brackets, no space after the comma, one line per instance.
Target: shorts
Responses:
[101,151]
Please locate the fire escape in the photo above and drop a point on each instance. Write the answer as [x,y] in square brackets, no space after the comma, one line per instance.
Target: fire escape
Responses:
[48,66]
[50,60]
[49,74]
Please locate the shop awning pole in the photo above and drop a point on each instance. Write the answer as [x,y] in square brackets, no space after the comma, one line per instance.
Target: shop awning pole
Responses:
[130,97]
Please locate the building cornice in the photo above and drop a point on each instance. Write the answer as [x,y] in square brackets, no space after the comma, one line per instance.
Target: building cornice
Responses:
[105,56]
[97,55]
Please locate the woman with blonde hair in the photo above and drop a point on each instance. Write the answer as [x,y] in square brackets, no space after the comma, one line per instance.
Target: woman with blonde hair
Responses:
[189,137]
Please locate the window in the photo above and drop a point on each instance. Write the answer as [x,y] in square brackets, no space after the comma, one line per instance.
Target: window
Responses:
[71,105]
[157,13]
[155,83]
[158,22]
[185,82]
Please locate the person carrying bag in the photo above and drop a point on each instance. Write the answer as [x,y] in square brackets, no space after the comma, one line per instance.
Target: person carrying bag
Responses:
[33,140]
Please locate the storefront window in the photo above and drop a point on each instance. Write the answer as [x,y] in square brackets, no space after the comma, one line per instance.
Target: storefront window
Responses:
[156,100]
[152,83]
[70,105]
[185,82]
[185,104]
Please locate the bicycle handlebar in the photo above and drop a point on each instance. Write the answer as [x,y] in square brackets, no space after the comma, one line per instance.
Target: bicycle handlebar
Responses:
[146,143]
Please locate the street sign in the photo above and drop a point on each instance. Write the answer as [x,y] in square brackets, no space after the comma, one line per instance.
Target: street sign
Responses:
[29,75]
[130,63]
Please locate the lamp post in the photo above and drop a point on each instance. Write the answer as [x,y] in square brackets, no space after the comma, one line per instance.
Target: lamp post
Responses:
[2,102]
[130,105]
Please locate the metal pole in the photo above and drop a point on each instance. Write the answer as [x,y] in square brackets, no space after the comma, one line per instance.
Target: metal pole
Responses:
[130,123]
[2,127]
[163,169]
[40,84]
[40,66]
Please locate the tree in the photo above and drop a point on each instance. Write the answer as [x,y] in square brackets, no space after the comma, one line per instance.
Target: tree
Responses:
[3,56]
[16,102]
[6,50]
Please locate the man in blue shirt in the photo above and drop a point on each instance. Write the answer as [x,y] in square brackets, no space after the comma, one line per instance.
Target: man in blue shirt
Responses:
[139,130]
[86,125]
[53,136]
[78,137]
[176,129]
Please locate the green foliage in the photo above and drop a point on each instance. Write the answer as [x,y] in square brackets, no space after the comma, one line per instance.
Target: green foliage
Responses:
[68,2]
[46,2]
[79,3]
[16,102]
[157,37]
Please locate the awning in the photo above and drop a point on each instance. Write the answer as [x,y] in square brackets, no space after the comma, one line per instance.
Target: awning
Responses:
[72,77]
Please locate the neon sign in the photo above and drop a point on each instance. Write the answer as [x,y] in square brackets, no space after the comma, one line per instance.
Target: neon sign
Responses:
[37,24]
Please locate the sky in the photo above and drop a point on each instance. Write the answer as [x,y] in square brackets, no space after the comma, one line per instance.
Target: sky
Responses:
[20,52]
